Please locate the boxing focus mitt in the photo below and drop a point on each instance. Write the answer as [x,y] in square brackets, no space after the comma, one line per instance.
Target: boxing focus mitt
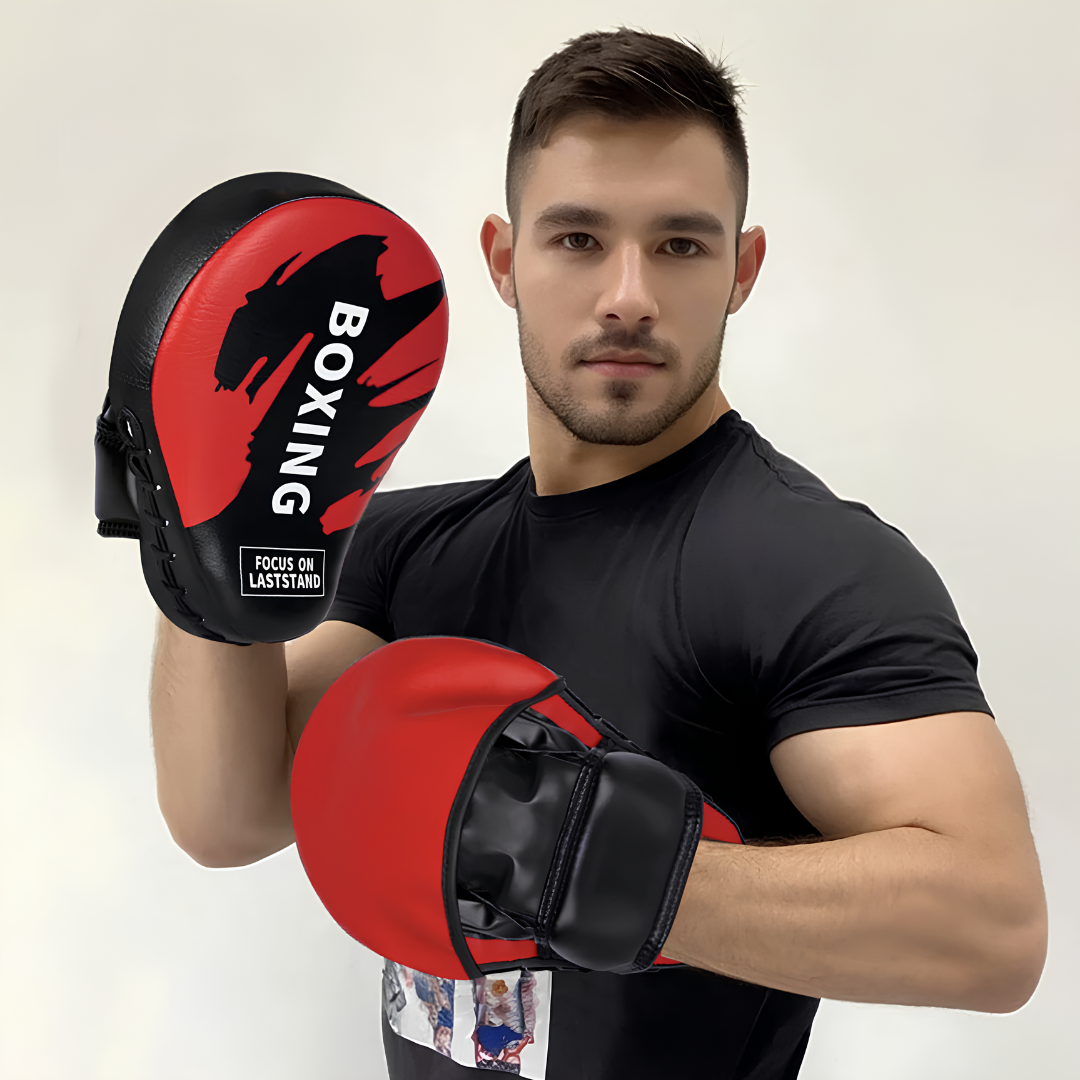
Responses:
[459,811]
[277,345]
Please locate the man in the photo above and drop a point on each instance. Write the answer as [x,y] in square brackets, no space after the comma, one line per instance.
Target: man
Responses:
[787,650]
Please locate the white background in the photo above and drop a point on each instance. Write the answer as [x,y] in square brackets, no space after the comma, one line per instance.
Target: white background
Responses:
[913,340]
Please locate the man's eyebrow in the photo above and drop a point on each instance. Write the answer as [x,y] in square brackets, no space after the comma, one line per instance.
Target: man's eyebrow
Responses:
[695,222]
[573,216]
[579,216]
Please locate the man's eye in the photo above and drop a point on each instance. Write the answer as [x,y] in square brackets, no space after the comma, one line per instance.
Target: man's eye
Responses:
[578,241]
[679,245]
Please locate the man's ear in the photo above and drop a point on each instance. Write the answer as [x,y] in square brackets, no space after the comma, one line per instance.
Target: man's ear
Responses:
[497,241]
[751,256]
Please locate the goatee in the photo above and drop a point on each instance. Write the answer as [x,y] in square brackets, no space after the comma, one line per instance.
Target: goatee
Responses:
[615,422]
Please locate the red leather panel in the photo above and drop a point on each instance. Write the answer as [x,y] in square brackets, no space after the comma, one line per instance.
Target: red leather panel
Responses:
[375,777]
[718,826]
[204,435]
[418,348]
[495,951]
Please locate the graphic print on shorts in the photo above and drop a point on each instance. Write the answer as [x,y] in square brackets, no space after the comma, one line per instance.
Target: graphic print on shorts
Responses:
[498,1023]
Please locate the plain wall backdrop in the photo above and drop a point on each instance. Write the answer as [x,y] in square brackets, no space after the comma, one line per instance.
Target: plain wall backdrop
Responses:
[912,340]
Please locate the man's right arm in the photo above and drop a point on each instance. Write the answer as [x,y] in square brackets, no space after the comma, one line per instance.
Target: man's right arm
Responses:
[226,720]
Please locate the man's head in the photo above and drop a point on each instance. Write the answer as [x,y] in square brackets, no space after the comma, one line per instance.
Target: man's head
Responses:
[629,76]
[626,184]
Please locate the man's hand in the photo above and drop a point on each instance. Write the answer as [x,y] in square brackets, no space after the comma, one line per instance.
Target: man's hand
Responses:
[226,721]
[925,890]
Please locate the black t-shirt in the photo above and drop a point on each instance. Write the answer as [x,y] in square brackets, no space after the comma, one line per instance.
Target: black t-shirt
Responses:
[710,605]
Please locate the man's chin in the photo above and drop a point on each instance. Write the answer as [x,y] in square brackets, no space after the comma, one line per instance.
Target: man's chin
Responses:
[622,412]
[619,427]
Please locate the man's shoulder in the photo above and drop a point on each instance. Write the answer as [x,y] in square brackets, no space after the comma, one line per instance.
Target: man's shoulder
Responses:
[757,487]
[394,526]
[401,510]
[406,502]
[766,525]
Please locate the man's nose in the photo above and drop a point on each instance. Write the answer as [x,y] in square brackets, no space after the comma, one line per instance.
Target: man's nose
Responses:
[627,297]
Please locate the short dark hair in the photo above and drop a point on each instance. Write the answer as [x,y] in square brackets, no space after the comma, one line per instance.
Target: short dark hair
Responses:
[627,75]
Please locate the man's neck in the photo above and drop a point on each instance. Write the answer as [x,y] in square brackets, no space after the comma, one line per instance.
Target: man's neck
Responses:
[562,463]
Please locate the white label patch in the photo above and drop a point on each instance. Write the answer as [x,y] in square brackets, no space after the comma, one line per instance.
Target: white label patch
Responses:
[282,571]
[498,1023]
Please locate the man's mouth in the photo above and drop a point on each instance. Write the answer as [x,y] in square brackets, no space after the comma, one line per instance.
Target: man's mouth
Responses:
[616,364]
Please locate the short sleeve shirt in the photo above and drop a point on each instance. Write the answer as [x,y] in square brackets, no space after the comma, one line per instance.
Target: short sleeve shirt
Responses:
[710,605]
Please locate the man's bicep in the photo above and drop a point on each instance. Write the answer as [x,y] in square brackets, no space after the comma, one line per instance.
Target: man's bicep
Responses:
[950,774]
[316,660]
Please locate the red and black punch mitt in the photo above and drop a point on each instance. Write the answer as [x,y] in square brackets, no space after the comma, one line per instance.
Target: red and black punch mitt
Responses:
[277,345]
[458,810]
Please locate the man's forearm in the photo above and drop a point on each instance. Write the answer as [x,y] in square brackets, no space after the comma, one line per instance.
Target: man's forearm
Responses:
[904,915]
[221,746]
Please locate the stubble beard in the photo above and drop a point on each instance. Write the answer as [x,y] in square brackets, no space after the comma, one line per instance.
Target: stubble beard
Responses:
[615,423]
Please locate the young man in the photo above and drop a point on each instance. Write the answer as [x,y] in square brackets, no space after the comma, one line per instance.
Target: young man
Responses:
[787,650]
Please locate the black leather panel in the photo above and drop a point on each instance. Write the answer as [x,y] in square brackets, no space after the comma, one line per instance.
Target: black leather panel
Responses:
[182,248]
[623,864]
[112,488]
[533,731]
[512,826]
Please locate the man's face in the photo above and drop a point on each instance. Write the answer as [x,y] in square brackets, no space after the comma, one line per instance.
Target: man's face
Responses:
[624,260]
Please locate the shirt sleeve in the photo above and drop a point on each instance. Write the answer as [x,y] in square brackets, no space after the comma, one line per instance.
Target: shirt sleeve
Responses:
[813,613]
[363,595]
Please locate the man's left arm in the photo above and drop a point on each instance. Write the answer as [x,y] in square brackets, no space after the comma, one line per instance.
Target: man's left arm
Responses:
[925,890]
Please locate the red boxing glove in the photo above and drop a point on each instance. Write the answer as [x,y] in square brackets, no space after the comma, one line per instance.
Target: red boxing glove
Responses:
[277,345]
[459,811]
